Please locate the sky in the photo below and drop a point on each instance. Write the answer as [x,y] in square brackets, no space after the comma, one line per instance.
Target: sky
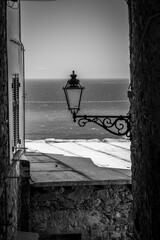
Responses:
[88,36]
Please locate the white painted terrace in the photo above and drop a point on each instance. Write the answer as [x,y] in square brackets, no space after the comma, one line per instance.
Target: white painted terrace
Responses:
[69,162]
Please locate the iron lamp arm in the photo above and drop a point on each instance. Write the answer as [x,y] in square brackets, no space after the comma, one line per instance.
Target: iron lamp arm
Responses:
[117,125]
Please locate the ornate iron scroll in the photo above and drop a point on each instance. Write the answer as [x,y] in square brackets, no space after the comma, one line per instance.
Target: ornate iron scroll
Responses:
[117,125]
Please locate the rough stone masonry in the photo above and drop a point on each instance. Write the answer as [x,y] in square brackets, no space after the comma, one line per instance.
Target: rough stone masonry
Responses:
[94,212]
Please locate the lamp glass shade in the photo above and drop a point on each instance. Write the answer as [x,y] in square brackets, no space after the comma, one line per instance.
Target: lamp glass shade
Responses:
[73,98]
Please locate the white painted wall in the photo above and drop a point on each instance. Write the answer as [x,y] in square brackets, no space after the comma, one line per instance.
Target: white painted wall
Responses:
[15,66]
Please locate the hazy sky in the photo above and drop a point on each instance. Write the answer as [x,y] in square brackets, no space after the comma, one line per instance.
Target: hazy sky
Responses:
[88,36]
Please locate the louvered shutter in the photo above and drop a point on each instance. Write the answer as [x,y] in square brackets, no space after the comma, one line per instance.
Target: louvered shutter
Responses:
[15,91]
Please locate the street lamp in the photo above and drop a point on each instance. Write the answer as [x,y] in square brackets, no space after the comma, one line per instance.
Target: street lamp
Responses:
[117,125]
[73,93]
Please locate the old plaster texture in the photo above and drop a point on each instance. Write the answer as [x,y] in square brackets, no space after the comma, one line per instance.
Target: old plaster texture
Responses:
[4,143]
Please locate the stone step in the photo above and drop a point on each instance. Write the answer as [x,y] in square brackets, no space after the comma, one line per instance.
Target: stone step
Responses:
[26,236]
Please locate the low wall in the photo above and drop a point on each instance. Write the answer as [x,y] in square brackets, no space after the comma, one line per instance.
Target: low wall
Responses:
[94,212]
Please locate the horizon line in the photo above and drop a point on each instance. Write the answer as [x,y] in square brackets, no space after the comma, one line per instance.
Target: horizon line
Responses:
[112,78]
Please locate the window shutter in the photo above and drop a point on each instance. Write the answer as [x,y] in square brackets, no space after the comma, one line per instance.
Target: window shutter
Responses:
[15,95]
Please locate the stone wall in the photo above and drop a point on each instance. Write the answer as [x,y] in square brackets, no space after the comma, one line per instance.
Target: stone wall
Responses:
[4,142]
[95,212]
[144,19]
[15,200]
[9,205]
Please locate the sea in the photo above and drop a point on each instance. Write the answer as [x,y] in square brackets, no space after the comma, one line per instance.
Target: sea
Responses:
[47,116]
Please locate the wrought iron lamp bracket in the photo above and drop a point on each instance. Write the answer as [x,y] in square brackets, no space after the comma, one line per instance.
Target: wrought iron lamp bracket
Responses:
[117,125]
